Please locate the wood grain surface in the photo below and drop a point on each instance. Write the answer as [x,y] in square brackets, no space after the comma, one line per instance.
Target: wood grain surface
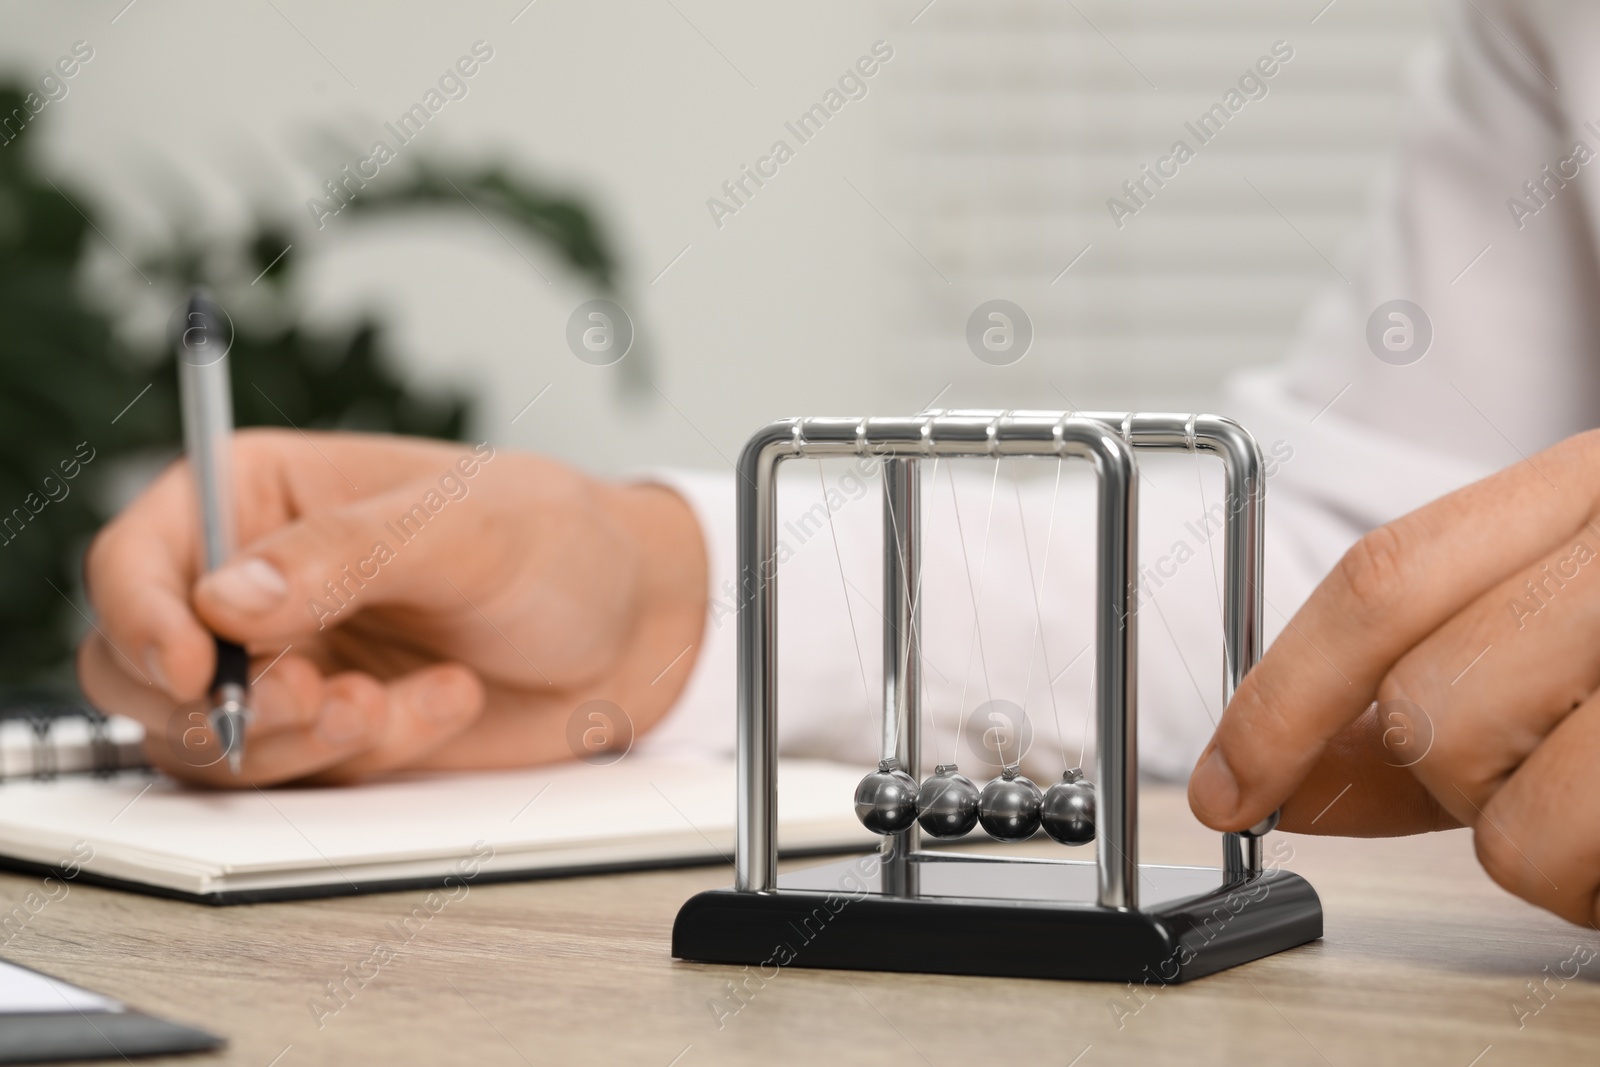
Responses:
[1424,962]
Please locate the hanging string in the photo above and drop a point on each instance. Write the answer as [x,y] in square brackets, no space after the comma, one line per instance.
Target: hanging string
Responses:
[844,587]
[974,592]
[916,625]
[1038,610]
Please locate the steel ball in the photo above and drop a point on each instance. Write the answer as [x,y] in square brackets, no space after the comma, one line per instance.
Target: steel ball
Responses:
[947,803]
[886,799]
[1008,809]
[1067,813]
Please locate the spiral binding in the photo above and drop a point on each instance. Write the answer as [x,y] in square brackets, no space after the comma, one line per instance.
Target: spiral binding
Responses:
[41,723]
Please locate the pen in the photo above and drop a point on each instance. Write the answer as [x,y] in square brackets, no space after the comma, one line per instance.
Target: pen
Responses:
[203,383]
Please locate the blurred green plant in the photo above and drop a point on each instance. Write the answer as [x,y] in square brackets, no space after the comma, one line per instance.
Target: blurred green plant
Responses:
[67,380]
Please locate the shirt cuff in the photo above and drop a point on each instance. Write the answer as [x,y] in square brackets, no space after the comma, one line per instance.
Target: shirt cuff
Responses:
[701,723]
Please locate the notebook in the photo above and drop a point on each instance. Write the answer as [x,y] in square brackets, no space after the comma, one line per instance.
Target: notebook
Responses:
[148,833]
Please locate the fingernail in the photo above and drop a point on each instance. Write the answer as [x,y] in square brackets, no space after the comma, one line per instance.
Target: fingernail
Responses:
[152,668]
[341,723]
[250,587]
[1214,787]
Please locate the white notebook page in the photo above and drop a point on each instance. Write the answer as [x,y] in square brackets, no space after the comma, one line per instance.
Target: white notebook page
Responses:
[639,810]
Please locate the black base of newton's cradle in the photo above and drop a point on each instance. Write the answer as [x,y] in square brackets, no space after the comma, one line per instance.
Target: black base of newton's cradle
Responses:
[943,913]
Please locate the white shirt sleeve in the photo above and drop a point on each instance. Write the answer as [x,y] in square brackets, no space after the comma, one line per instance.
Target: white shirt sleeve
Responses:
[1469,225]
[1475,224]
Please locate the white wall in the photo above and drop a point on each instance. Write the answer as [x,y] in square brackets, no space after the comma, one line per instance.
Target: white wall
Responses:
[987,145]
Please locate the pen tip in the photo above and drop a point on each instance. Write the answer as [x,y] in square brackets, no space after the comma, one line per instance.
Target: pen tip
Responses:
[228,722]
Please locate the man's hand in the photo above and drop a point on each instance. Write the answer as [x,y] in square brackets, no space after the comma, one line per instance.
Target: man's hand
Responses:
[1474,624]
[405,603]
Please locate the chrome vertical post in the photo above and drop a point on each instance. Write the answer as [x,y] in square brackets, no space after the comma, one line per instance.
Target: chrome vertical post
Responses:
[902,668]
[1245,493]
[755,865]
[1116,662]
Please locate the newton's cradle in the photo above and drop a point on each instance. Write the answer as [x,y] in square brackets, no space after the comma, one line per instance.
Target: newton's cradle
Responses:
[958,913]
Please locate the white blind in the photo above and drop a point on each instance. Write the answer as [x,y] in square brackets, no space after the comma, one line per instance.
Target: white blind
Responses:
[1011,125]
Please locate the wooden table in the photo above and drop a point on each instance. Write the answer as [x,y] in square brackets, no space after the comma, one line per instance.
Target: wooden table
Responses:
[1423,962]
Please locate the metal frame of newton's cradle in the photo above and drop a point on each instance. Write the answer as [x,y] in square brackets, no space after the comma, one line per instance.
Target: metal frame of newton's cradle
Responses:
[907,909]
